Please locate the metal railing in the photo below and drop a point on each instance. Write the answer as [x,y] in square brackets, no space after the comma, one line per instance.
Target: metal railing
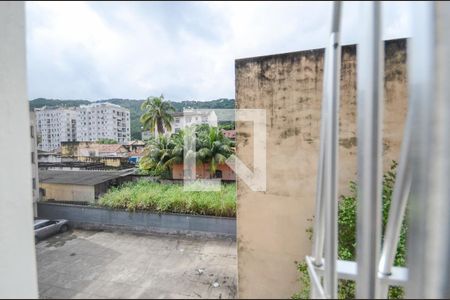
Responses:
[423,173]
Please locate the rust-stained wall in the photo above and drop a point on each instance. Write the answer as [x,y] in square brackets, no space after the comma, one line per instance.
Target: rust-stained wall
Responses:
[272,225]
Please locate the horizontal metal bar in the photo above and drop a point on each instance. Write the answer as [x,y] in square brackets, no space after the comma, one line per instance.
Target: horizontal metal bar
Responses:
[348,270]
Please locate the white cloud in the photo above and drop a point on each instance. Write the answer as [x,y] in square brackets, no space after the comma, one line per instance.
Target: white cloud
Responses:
[81,50]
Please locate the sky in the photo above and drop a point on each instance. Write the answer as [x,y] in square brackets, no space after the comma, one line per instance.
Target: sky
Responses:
[184,50]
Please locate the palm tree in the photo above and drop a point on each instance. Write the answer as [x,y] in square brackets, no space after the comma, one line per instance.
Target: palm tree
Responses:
[157,153]
[157,114]
[176,146]
[214,148]
[164,151]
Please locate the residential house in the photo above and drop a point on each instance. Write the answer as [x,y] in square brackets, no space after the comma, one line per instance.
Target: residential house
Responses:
[112,155]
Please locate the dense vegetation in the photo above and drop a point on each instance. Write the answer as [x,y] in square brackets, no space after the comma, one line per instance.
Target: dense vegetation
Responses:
[149,196]
[347,239]
[211,146]
[135,107]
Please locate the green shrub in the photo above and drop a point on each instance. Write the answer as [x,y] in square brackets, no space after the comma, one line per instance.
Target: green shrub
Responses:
[144,195]
[347,239]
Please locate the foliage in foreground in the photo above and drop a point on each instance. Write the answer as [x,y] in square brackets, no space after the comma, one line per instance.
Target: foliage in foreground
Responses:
[347,240]
[150,196]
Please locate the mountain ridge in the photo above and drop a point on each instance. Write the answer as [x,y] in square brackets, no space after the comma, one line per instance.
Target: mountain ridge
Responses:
[134,106]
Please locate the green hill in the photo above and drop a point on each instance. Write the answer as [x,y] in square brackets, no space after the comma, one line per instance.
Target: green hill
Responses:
[135,107]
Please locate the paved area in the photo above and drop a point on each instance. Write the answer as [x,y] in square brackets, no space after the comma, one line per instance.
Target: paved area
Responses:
[85,264]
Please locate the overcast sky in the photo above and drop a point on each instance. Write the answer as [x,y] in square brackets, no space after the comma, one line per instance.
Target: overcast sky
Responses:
[98,50]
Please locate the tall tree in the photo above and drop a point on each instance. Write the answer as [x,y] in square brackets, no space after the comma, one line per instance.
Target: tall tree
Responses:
[157,114]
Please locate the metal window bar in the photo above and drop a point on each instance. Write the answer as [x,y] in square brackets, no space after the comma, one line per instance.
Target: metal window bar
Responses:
[369,121]
[429,227]
[422,174]
[326,211]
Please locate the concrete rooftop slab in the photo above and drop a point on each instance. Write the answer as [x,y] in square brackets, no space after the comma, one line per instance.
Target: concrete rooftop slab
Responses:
[88,264]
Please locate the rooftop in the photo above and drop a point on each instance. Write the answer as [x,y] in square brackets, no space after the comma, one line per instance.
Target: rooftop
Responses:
[54,108]
[102,148]
[101,104]
[192,112]
[82,177]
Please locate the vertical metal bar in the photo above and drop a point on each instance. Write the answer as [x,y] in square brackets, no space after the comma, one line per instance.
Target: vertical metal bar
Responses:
[429,229]
[331,156]
[398,206]
[421,66]
[319,222]
[370,95]
[441,186]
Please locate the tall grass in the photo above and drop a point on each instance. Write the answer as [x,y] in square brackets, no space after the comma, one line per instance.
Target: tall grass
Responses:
[150,196]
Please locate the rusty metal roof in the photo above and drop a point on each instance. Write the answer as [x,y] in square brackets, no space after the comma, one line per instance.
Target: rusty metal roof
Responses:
[81,177]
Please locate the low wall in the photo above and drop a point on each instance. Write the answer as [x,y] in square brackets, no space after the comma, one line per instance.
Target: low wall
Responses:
[87,217]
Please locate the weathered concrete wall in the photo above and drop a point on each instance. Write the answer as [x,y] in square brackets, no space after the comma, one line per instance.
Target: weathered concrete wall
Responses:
[272,225]
[88,217]
[68,192]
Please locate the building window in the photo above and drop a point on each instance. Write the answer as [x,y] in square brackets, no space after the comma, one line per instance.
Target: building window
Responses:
[32,131]
[32,157]
[34,183]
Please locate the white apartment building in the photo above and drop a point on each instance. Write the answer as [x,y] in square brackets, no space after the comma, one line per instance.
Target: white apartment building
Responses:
[55,125]
[103,121]
[189,117]
[84,123]
[186,118]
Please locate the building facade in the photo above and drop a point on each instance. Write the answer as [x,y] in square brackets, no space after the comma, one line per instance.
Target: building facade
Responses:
[190,117]
[85,123]
[55,125]
[34,161]
[103,121]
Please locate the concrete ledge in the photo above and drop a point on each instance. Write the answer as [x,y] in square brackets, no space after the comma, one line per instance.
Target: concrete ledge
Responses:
[88,217]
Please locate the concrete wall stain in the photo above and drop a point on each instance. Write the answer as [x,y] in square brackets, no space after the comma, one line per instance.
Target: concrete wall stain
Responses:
[272,225]
[348,142]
